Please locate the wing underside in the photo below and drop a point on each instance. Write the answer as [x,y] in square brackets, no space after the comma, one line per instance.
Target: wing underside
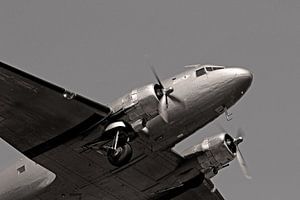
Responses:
[205,191]
[45,122]
[36,115]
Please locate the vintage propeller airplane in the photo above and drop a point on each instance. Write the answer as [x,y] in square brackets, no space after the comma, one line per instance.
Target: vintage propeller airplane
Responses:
[71,147]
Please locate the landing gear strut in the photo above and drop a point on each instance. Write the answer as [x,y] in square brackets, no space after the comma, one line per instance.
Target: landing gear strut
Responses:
[120,152]
[114,141]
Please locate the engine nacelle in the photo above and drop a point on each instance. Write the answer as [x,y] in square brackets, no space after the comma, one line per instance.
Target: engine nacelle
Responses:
[213,153]
[141,104]
[146,102]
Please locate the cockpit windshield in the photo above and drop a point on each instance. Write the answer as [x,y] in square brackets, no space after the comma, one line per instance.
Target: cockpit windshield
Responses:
[204,70]
[217,68]
[200,72]
[209,69]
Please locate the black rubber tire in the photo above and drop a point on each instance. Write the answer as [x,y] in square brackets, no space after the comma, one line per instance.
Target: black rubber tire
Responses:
[122,157]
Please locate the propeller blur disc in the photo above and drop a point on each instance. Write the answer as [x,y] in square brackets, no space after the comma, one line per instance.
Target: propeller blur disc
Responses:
[242,163]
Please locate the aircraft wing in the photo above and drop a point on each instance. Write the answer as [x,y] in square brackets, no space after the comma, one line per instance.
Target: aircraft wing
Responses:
[49,125]
[36,116]
[205,191]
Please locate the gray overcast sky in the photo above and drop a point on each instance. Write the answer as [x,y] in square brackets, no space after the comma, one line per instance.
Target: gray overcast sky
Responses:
[99,49]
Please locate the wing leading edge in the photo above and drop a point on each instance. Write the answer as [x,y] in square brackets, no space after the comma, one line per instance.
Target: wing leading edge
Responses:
[36,115]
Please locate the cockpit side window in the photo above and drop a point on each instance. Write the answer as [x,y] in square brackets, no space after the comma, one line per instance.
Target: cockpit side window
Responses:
[200,72]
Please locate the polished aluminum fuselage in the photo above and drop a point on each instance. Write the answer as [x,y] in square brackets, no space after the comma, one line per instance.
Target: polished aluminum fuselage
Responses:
[203,99]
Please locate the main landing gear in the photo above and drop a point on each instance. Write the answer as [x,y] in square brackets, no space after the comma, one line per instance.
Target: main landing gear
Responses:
[114,142]
[120,152]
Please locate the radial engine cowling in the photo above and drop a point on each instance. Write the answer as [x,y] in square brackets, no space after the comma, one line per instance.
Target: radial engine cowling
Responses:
[213,153]
[142,103]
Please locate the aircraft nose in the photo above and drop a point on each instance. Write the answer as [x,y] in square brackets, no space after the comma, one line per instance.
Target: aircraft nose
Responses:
[244,79]
[241,72]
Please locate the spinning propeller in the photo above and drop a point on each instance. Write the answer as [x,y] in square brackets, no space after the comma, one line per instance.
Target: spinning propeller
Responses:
[164,96]
[237,140]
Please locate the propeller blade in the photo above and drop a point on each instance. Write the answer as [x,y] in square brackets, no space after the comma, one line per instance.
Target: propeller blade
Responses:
[177,101]
[239,138]
[156,76]
[164,101]
[163,106]
[242,163]
[167,101]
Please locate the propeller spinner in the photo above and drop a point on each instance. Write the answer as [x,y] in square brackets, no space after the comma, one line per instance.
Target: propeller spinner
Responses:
[164,96]
[240,158]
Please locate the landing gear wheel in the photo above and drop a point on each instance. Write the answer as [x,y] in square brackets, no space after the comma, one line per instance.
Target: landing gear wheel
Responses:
[120,156]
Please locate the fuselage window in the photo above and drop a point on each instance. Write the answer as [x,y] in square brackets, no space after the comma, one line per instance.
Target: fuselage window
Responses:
[200,72]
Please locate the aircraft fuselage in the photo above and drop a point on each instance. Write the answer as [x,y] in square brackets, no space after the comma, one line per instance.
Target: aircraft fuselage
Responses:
[203,96]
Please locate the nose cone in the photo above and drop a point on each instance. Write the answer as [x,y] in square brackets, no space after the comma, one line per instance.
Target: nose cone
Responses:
[243,79]
[241,72]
